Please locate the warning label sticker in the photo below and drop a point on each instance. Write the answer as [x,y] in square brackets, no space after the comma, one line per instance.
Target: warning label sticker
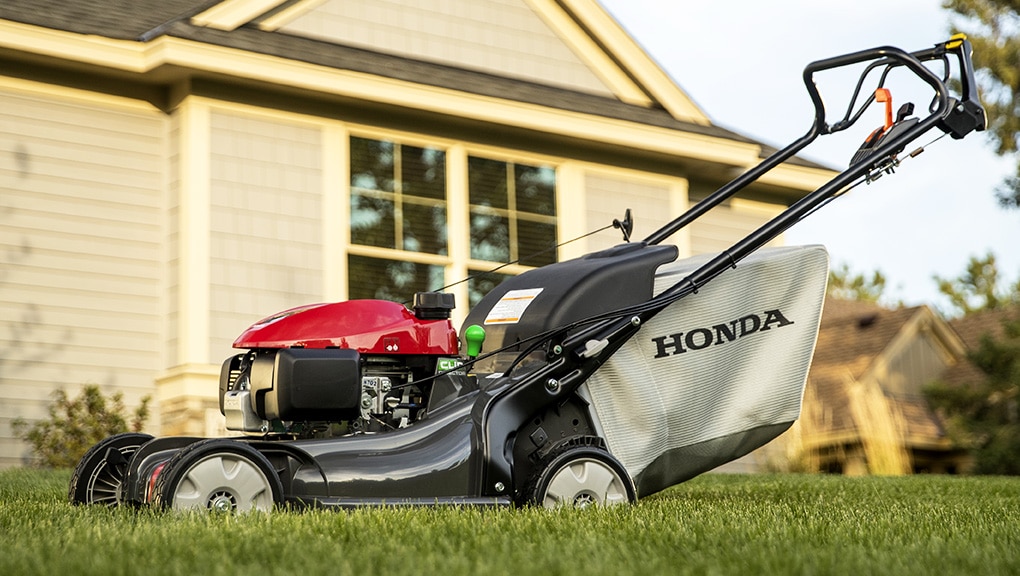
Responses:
[511,306]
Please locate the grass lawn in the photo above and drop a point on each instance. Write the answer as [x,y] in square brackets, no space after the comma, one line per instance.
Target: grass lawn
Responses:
[715,524]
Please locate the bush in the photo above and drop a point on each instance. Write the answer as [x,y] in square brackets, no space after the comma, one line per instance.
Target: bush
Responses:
[75,425]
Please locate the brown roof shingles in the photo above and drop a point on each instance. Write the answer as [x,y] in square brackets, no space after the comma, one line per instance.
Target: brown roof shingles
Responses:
[120,19]
[971,329]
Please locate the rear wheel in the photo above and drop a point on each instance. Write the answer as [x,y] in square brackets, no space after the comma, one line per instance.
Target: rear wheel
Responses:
[218,475]
[99,474]
[578,475]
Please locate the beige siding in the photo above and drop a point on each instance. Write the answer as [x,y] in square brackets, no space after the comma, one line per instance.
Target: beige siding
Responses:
[728,223]
[172,250]
[919,363]
[503,37]
[266,222]
[608,197]
[81,231]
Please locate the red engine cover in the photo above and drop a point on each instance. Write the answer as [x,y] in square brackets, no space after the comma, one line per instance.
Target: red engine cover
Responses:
[368,326]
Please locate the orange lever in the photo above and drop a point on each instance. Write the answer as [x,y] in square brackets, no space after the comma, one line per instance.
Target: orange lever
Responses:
[883,95]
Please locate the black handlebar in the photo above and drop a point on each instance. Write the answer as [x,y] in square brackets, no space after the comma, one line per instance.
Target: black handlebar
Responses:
[890,58]
[598,337]
[953,116]
[957,117]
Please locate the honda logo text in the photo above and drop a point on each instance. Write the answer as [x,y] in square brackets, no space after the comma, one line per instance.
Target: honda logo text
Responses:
[701,338]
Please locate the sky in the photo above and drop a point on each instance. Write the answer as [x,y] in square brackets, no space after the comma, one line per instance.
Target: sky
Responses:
[741,62]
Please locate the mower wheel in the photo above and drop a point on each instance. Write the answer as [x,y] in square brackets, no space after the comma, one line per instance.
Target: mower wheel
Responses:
[98,476]
[218,475]
[578,475]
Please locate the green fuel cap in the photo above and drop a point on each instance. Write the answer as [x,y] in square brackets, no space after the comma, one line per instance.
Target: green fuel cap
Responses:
[474,335]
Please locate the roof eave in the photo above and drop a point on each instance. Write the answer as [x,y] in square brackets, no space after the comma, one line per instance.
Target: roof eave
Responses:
[152,59]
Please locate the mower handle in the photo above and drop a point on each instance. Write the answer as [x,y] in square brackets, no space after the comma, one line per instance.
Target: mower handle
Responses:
[586,344]
[955,117]
[890,58]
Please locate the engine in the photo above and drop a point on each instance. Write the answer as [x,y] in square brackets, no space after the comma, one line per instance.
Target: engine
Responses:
[349,367]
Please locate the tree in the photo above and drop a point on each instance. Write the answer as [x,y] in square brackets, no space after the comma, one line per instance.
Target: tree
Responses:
[993,27]
[845,285]
[978,288]
[984,415]
[75,425]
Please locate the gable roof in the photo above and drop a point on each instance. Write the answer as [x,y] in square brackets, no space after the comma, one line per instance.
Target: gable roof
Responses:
[852,334]
[142,20]
[853,338]
[157,39]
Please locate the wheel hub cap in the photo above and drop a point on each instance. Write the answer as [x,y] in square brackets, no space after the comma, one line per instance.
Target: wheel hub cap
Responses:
[222,502]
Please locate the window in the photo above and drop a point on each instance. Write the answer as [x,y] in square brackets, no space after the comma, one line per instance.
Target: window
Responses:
[396,280]
[398,202]
[398,196]
[513,218]
[513,212]
[399,211]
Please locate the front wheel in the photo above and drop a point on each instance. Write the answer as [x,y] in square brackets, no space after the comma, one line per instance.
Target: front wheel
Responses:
[579,476]
[218,475]
[99,474]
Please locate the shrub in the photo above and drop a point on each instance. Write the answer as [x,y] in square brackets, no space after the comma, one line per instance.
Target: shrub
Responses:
[74,425]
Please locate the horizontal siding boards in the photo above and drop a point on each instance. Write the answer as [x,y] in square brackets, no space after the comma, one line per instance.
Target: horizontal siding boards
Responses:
[265,220]
[608,198]
[81,230]
[13,452]
[107,238]
[36,387]
[724,225]
[129,322]
[111,200]
[506,38]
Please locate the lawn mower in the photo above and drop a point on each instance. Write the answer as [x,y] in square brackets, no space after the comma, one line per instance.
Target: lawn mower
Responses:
[592,381]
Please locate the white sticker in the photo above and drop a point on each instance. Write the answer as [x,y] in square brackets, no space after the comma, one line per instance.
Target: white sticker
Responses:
[511,306]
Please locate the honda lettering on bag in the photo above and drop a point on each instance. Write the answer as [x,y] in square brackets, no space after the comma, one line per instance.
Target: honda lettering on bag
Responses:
[701,338]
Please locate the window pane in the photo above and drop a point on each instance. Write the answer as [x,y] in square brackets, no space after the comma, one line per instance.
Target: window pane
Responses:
[490,237]
[398,196]
[487,183]
[376,278]
[371,164]
[372,221]
[536,243]
[425,227]
[423,172]
[482,284]
[536,189]
[502,196]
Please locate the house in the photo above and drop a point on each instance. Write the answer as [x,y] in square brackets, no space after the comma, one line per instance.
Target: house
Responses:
[173,170]
[972,329]
[864,410]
